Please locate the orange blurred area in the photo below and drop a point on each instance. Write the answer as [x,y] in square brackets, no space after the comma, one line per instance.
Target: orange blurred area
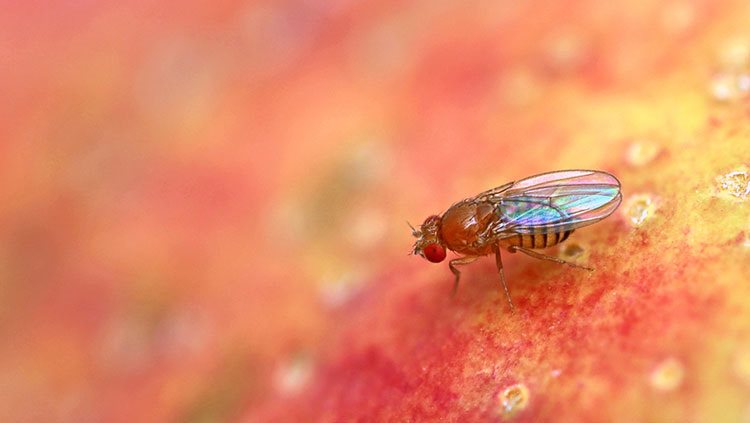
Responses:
[203,210]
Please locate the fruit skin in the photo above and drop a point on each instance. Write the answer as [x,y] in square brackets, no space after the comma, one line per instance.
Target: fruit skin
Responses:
[202,213]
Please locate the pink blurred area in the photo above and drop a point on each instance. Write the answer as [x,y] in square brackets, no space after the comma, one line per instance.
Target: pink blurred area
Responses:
[137,161]
[188,187]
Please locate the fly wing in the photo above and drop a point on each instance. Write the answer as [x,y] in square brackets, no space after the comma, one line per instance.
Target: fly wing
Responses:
[556,201]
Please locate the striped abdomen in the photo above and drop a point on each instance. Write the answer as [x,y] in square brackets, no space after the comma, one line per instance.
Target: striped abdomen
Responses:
[541,240]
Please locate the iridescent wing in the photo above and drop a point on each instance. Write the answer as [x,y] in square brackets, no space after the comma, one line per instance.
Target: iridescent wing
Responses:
[555,201]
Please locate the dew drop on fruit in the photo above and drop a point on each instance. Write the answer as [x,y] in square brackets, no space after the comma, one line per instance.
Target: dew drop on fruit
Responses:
[638,208]
[641,152]
[519,88]
[292,376]
[336,291]
[367,229]
[514,399]
[566,52]
[741,365]
[668,375]
[734,53]
[735,184]
[678,17]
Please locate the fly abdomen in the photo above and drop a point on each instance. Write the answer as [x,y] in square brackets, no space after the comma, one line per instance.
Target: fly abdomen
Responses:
[540,240]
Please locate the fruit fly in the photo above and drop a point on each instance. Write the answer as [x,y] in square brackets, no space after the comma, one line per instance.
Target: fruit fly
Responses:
[532,213]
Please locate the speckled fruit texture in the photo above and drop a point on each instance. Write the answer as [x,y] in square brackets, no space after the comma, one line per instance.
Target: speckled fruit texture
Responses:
[203,210]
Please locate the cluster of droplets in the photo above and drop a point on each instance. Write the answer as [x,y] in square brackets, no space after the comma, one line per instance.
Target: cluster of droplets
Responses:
[730,85]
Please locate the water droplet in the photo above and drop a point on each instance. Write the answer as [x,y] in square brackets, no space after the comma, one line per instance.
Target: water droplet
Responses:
[641,152]
[567,52]
[741,365]
[368,163]
[335,292]
[367,228]
[291,377]
[735,53]
[678,17]
[514,399]
[730,86]
[735,184]
[746,239]
[668,375]
[519,88]
[638,208]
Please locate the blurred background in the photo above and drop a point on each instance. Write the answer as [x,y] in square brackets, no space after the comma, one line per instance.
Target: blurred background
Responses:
[197,196]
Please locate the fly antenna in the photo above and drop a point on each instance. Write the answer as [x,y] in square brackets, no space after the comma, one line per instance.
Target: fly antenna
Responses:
[414,231]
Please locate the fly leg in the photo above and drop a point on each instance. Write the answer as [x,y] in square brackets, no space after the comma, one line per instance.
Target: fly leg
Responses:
[499,262]
[541,256]
[459,262]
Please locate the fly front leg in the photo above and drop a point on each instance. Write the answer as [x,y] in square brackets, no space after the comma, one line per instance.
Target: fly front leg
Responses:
[541,256]
[499,262]
[459,262]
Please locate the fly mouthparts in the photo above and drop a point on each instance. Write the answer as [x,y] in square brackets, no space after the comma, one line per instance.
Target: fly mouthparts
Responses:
[414,231]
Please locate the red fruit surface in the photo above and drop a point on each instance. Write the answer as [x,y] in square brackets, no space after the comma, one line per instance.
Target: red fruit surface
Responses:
[203,210]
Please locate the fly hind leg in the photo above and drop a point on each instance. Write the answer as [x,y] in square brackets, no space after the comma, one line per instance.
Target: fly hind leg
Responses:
[501,273]
[453,266]
[541,256]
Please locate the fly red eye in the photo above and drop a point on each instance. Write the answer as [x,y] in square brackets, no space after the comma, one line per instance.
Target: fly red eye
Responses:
[434,252]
